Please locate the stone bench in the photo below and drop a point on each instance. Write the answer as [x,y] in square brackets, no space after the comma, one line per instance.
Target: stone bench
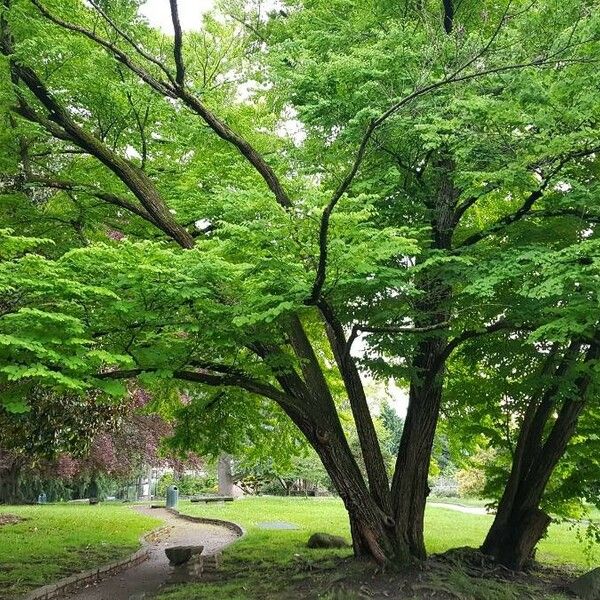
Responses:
[212,499]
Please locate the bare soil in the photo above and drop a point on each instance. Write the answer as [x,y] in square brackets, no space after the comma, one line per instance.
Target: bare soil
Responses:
[9,519]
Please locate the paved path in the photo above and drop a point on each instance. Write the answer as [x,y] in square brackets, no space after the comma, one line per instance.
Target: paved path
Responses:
[472,510]
[145,579]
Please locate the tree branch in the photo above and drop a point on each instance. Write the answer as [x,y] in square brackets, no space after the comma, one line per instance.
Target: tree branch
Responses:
[177,44]
[326,216]
[402,329]
[213,379]
[365,428]
[132,42]
[525,209]
[156,84]
[63,184]
[190,100]
[133,177]
[500,325]
[504,221]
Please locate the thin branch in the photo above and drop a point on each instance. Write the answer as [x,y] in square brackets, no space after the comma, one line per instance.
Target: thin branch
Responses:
[160,86]
[564,212]
[130,41]
[500,325]
[505,221]
[325,217]
[357,329]
[402,329]
[63,184]
[462,208]
[525,208]
[177,43]
[249,27]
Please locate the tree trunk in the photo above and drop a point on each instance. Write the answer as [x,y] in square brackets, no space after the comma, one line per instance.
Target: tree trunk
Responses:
[9,484]
[519,523]
[373,532]
[224,475]
[410,484]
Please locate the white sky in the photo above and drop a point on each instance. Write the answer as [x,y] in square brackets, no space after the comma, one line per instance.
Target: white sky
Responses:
[190,13]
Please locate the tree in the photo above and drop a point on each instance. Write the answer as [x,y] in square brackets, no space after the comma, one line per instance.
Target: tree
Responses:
[50,426]
[450,144]
[538,392]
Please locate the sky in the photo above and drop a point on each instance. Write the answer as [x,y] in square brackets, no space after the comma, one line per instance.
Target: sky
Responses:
[190,13]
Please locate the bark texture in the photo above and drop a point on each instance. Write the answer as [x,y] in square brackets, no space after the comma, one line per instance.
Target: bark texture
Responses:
[519,523]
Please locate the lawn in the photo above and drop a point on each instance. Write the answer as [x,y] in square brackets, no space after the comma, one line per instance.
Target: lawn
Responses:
[264,560]
[57,540]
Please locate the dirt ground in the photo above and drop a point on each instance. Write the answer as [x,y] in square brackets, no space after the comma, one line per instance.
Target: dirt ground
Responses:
[8,519]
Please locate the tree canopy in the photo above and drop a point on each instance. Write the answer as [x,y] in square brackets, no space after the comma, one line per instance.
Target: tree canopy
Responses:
[260,211]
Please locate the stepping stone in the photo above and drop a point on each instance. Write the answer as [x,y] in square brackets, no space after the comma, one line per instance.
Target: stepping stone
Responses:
[277,525]
[179,555]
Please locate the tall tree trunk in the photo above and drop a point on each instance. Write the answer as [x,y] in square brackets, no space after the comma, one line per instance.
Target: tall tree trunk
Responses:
[224,475]
[410,482]
[519,523]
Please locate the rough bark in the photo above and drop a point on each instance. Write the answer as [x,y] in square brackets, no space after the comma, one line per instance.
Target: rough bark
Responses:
[409,486]
[373,534]
[519,523]
[379,484]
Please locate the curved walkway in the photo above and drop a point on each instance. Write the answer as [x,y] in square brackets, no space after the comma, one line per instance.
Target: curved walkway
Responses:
[472,510]
[144,580]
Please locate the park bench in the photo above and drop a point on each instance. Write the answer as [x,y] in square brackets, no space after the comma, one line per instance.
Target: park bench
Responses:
[212,499]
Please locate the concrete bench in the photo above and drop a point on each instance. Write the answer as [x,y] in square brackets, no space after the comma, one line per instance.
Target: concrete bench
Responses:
[212,499]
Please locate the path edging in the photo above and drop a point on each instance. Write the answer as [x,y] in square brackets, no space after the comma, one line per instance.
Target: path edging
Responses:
[237,529]
[55,590]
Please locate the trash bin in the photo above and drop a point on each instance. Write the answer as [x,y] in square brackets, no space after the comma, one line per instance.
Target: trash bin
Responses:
[172,496]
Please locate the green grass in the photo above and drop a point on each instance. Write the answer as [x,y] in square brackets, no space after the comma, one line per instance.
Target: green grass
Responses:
[444,528]
[265,561]
[55,541]
[58,540]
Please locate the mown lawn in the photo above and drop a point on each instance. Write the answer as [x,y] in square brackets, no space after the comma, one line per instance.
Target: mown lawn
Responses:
[58,540]
[444,528]
[265,561]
